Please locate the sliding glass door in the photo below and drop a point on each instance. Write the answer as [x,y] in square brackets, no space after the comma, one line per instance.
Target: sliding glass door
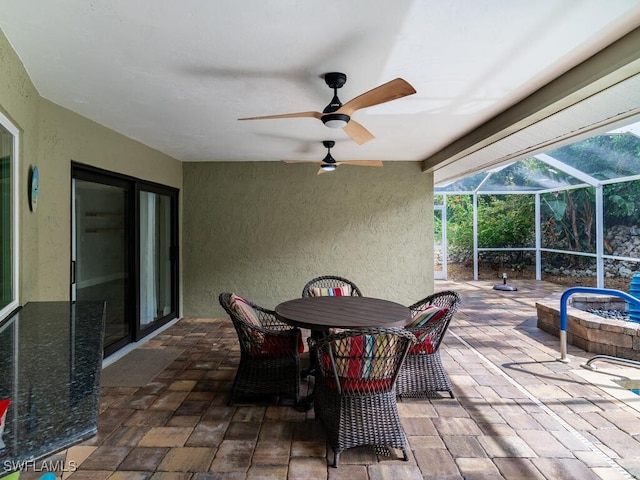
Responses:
[156,258]
[123,251]
[101,254]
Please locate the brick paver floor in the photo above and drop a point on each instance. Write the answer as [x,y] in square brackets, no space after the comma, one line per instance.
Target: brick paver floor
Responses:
[518,413]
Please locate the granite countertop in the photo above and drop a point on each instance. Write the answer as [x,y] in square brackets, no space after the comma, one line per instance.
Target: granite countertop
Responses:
[50,363]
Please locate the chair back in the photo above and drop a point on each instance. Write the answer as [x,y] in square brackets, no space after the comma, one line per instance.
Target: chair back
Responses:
[362,361]
[332,282]
[248,335]
[259,331]
[448,301]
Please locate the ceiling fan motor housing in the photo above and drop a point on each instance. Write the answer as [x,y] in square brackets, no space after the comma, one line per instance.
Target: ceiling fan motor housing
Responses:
[335,79]
[335,120]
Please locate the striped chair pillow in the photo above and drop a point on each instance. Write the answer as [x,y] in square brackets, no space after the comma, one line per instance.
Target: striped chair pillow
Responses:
[426,317]
[245,310]
[344,291]
[430,314]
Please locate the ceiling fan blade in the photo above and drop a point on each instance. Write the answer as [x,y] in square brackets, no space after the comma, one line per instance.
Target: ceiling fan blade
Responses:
[357,132]
[302,161]
[386,92]
[362,163]
[317,115]
[321,171]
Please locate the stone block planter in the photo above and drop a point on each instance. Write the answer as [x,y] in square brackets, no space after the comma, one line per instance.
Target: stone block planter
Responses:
[592,333]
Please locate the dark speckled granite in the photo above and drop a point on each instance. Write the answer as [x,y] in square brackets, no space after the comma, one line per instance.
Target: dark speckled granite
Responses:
[50,363]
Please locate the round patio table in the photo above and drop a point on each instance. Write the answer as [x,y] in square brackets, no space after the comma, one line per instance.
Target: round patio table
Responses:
[322,313]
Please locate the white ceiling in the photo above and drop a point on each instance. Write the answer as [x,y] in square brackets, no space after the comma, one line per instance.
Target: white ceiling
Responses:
[177,75]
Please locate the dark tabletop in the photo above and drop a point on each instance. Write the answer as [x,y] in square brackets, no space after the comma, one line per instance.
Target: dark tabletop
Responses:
[321,313]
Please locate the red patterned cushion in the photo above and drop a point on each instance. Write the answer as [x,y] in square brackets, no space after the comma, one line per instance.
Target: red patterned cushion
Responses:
[357,385]
[425,346]
[274,345]
[359,365]
[4,406]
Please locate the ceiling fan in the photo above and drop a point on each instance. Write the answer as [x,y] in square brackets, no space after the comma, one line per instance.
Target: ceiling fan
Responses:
[329,164]
[337,115]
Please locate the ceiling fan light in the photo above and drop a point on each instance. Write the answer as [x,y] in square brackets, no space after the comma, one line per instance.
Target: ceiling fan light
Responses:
[327,167]
[335,120]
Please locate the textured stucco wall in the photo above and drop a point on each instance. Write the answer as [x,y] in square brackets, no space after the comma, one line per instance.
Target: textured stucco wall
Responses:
[51,137]
[19,101]
[65,137]
[263,229]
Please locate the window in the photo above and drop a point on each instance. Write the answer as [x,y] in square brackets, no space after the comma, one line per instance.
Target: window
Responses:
[8,217]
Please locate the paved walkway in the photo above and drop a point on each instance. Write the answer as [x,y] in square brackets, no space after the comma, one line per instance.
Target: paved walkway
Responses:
[518,413]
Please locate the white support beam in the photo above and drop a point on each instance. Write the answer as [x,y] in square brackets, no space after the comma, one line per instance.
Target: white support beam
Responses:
[574,172]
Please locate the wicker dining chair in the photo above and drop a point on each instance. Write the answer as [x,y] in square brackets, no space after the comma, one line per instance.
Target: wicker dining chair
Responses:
[326,282]
[327,285]
[269,352]
[422,372]
[355,395]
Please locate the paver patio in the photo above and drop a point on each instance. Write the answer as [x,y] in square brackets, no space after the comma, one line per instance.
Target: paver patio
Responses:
[518,412]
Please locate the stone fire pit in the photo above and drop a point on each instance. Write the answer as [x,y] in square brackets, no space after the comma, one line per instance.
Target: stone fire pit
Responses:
[592,333]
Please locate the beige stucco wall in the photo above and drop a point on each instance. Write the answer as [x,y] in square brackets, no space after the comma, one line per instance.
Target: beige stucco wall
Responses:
[64,137]
[19,101]
[51,137]
[263,229]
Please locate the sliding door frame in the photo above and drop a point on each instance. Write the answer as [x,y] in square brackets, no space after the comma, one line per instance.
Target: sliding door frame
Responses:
[135,186]
[172,193]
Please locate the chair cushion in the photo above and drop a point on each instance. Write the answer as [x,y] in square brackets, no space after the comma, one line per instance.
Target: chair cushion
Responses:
[344,291]
[425,345]
[358,385]
[423,318]
[357,366]
[275,345]
[426,316]
[4,406]
[245,310]
[265,344]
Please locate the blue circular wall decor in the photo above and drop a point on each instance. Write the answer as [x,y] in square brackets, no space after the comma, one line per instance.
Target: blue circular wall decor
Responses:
[34,186]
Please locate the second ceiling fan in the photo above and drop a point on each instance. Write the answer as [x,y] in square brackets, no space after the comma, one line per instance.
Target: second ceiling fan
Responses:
[337,115]
[329,164]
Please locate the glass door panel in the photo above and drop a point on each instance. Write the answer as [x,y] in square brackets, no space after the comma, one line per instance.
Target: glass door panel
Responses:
[439,243]
[101,255]
[6,220]
[156,297]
